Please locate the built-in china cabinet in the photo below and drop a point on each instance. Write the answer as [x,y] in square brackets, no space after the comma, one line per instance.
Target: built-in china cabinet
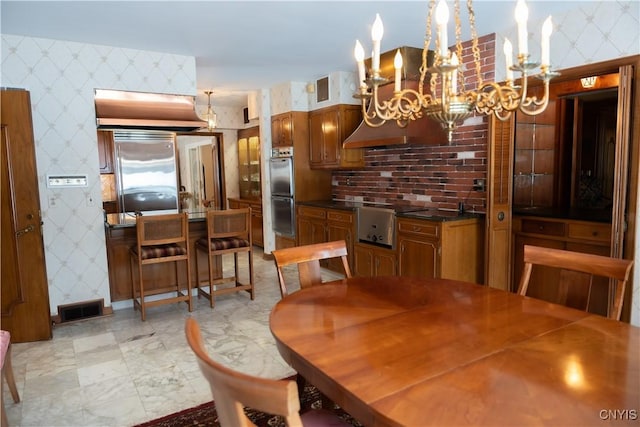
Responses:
[567,177]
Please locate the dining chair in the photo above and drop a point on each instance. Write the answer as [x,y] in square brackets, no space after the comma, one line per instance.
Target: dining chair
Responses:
[308,258]
[577,267]
[7,372]
[228,232]
[160,239]
[233,390]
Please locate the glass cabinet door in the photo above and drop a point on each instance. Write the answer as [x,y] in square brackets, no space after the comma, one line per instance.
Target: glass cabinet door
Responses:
[249,165]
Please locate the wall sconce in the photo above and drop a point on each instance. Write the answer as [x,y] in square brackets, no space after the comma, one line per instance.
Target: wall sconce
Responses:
[588,82]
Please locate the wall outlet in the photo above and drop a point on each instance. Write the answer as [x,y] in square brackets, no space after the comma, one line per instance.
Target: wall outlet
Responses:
[478,185]
[90,201]
[53,201]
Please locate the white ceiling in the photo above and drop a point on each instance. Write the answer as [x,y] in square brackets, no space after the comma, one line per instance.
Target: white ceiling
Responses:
[241,46]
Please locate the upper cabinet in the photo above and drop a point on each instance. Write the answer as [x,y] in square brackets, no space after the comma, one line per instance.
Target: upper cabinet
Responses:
[282,129]
[105,151]
[328,128]
[249,163]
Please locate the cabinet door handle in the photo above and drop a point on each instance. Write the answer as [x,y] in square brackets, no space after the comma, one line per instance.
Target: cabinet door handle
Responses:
[25,230]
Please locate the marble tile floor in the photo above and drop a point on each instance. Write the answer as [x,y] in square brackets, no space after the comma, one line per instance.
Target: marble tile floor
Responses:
[119,371]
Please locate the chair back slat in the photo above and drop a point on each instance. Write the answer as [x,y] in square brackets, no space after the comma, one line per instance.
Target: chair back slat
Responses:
[577,270]
[163,229]
[229,223]
[233,390]
[308,258]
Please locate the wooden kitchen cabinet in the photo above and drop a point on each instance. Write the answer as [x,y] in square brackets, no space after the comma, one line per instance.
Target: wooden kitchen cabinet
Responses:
[372,261]
[105,151]
[328,128]
[319,225]
[573,235]
[282,126]
[310,225]
[249,163]
[257,231]
[341,225]
[443,249]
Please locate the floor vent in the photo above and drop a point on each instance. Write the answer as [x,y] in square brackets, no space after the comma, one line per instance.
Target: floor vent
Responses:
[83,310]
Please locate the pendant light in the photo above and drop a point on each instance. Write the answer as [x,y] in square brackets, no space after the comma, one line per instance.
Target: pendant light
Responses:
[211,118]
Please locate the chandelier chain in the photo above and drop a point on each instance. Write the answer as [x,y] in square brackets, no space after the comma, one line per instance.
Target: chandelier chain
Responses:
[474,42]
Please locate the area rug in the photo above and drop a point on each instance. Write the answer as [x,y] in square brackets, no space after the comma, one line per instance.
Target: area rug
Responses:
[205,415]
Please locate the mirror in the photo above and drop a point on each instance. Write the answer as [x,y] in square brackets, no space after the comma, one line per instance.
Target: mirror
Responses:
[201,171]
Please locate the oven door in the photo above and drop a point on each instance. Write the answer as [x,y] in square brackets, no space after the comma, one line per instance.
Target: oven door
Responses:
[281,173]
[283,213]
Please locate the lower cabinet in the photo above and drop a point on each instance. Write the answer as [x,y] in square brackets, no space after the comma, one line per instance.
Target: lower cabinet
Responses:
[572,235]
[319,225]
[257,232]
[371,260]
[444,249]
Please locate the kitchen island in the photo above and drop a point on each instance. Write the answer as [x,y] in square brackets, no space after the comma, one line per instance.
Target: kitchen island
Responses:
[120,233]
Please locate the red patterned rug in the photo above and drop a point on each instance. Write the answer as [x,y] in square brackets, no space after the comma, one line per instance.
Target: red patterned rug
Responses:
[205,415]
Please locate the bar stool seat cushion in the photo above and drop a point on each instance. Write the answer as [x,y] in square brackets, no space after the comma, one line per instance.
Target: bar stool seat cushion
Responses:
[161,251]
[222,244]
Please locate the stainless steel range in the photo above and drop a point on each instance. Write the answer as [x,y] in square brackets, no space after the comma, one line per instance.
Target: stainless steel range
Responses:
[377,225]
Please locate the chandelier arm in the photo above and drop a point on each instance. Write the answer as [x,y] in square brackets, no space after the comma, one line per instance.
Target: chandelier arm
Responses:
[494,98]
[532,105]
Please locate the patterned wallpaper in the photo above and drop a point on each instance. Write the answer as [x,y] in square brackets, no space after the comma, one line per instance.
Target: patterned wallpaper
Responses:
[592,32]
[61,77]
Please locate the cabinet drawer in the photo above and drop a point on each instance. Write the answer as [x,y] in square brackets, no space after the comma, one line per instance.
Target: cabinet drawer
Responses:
[598,232]
[340,216]
[256,208]
[547,228]
[422,228]
[312,212]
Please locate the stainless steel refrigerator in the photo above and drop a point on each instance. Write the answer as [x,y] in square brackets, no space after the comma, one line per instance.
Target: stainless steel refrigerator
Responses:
[146,171]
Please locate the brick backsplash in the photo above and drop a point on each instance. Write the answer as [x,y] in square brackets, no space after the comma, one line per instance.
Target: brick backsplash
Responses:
[434,176]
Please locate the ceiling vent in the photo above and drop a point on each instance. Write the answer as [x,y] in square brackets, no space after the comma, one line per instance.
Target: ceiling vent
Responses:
[148,111]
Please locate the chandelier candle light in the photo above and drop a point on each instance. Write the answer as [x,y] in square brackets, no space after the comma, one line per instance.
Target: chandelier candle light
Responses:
[448,100]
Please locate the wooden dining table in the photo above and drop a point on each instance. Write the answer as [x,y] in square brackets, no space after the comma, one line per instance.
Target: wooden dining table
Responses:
[416,352]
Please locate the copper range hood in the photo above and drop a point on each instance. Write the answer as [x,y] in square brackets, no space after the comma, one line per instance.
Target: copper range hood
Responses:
[149,111]
[422,131]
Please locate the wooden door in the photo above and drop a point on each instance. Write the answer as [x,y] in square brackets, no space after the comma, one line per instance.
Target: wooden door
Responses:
[499,199]
[25,295]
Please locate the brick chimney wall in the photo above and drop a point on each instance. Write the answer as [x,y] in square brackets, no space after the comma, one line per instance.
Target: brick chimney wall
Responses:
[437,176]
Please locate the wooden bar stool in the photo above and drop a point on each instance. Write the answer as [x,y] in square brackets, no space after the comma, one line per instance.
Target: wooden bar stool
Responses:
[160,239]
[228,232]
[7,371]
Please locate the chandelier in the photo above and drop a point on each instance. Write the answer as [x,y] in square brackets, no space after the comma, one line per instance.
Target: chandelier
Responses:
[210,117]
[447,99]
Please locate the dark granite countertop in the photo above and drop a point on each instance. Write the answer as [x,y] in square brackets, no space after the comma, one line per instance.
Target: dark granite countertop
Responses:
[121,220]
[439,215]
[595,215]
[403,211]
